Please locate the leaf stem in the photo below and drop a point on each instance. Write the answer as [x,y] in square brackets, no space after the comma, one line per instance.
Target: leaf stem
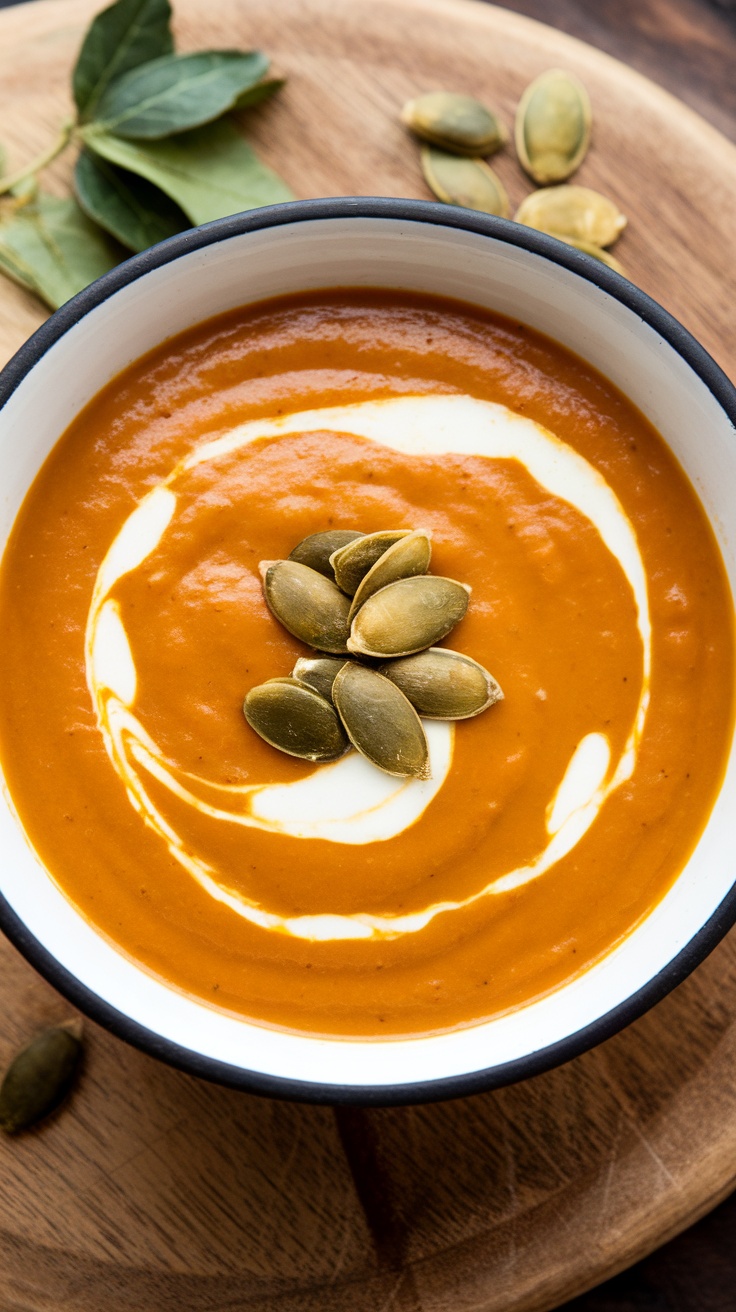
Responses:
[61,142]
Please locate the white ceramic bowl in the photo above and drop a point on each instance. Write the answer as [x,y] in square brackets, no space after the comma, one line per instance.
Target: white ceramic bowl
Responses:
[423,247]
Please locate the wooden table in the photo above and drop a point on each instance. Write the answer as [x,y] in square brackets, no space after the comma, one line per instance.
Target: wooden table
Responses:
[153,1192]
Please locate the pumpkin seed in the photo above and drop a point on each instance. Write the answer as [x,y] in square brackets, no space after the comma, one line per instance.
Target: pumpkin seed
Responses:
[309,605]
[319,672]
[40,1077]
[467,182]
[553,123]
[380,722]
[315,551]
[460,124]
[352,562]
[576,212]
[409,556]
[407,616]
[442,684]
[605,257]
[289,715]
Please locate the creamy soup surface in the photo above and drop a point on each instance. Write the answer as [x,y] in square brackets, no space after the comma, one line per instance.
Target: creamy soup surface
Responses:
[336,899]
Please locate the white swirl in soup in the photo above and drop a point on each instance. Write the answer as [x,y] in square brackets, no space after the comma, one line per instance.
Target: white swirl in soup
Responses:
[347,801]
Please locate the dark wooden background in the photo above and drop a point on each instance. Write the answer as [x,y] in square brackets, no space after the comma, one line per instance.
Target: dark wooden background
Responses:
[689,47]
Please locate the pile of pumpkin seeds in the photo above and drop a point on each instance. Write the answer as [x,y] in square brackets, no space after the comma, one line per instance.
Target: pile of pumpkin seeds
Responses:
[552,135]
[367,605]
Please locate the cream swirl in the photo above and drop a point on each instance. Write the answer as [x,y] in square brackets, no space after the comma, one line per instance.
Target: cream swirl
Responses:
[349,801]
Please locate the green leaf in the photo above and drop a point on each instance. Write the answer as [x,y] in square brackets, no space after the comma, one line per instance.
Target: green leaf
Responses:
[210,172]
[52,247]
[15,269]
[177,93]
[129,33]
[260,92]
[24,191]
[132,209]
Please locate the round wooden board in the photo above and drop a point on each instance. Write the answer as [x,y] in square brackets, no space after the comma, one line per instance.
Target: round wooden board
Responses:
[152,1191]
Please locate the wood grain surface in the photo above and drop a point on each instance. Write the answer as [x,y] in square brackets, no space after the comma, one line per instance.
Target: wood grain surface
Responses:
[152,1191]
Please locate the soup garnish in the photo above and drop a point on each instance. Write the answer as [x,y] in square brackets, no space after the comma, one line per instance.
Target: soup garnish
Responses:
[398,611]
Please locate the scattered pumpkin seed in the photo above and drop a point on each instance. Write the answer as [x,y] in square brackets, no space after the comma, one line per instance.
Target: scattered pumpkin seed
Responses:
[408,616]
[460,124]
[40,1077]
[309,605]
[576,212]
[353,561]
[605,257]
[409,556]
[289,715]
[467,182]
[381,722]
[319,672]
[442,684]
[315,551]
[553,123]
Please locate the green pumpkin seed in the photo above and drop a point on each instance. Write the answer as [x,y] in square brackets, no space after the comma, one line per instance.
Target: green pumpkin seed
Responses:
[315,551]
[319,672]
[380,722]
[553,123]
[307,604]
[408,616]
[443,685]
[576,212]
[40,1077]
[409,556]
[352,562]
[467,182]
[605,257]
[293,717]
[460,124]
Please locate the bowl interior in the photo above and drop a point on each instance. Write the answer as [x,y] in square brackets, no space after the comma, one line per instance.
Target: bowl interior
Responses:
[644,354]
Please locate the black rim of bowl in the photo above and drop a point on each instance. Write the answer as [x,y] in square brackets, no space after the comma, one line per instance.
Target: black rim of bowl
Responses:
[701,363]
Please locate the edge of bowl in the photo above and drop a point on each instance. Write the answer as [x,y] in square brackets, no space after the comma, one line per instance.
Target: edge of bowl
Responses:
[702,943]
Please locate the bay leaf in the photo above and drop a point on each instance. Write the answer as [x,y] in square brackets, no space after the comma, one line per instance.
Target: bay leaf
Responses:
[10,265]
[126,34]
[17,271]
[55,248]
[261,91]
[210,172]
[24,191]
[130,208]
[178,92]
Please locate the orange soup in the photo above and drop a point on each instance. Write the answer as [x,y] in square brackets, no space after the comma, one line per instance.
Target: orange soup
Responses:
[319,898]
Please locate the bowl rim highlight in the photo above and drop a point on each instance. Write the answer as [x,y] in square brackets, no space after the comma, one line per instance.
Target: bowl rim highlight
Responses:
[699,362]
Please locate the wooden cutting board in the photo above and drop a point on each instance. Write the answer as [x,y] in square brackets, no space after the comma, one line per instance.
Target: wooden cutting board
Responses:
[152,1191]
